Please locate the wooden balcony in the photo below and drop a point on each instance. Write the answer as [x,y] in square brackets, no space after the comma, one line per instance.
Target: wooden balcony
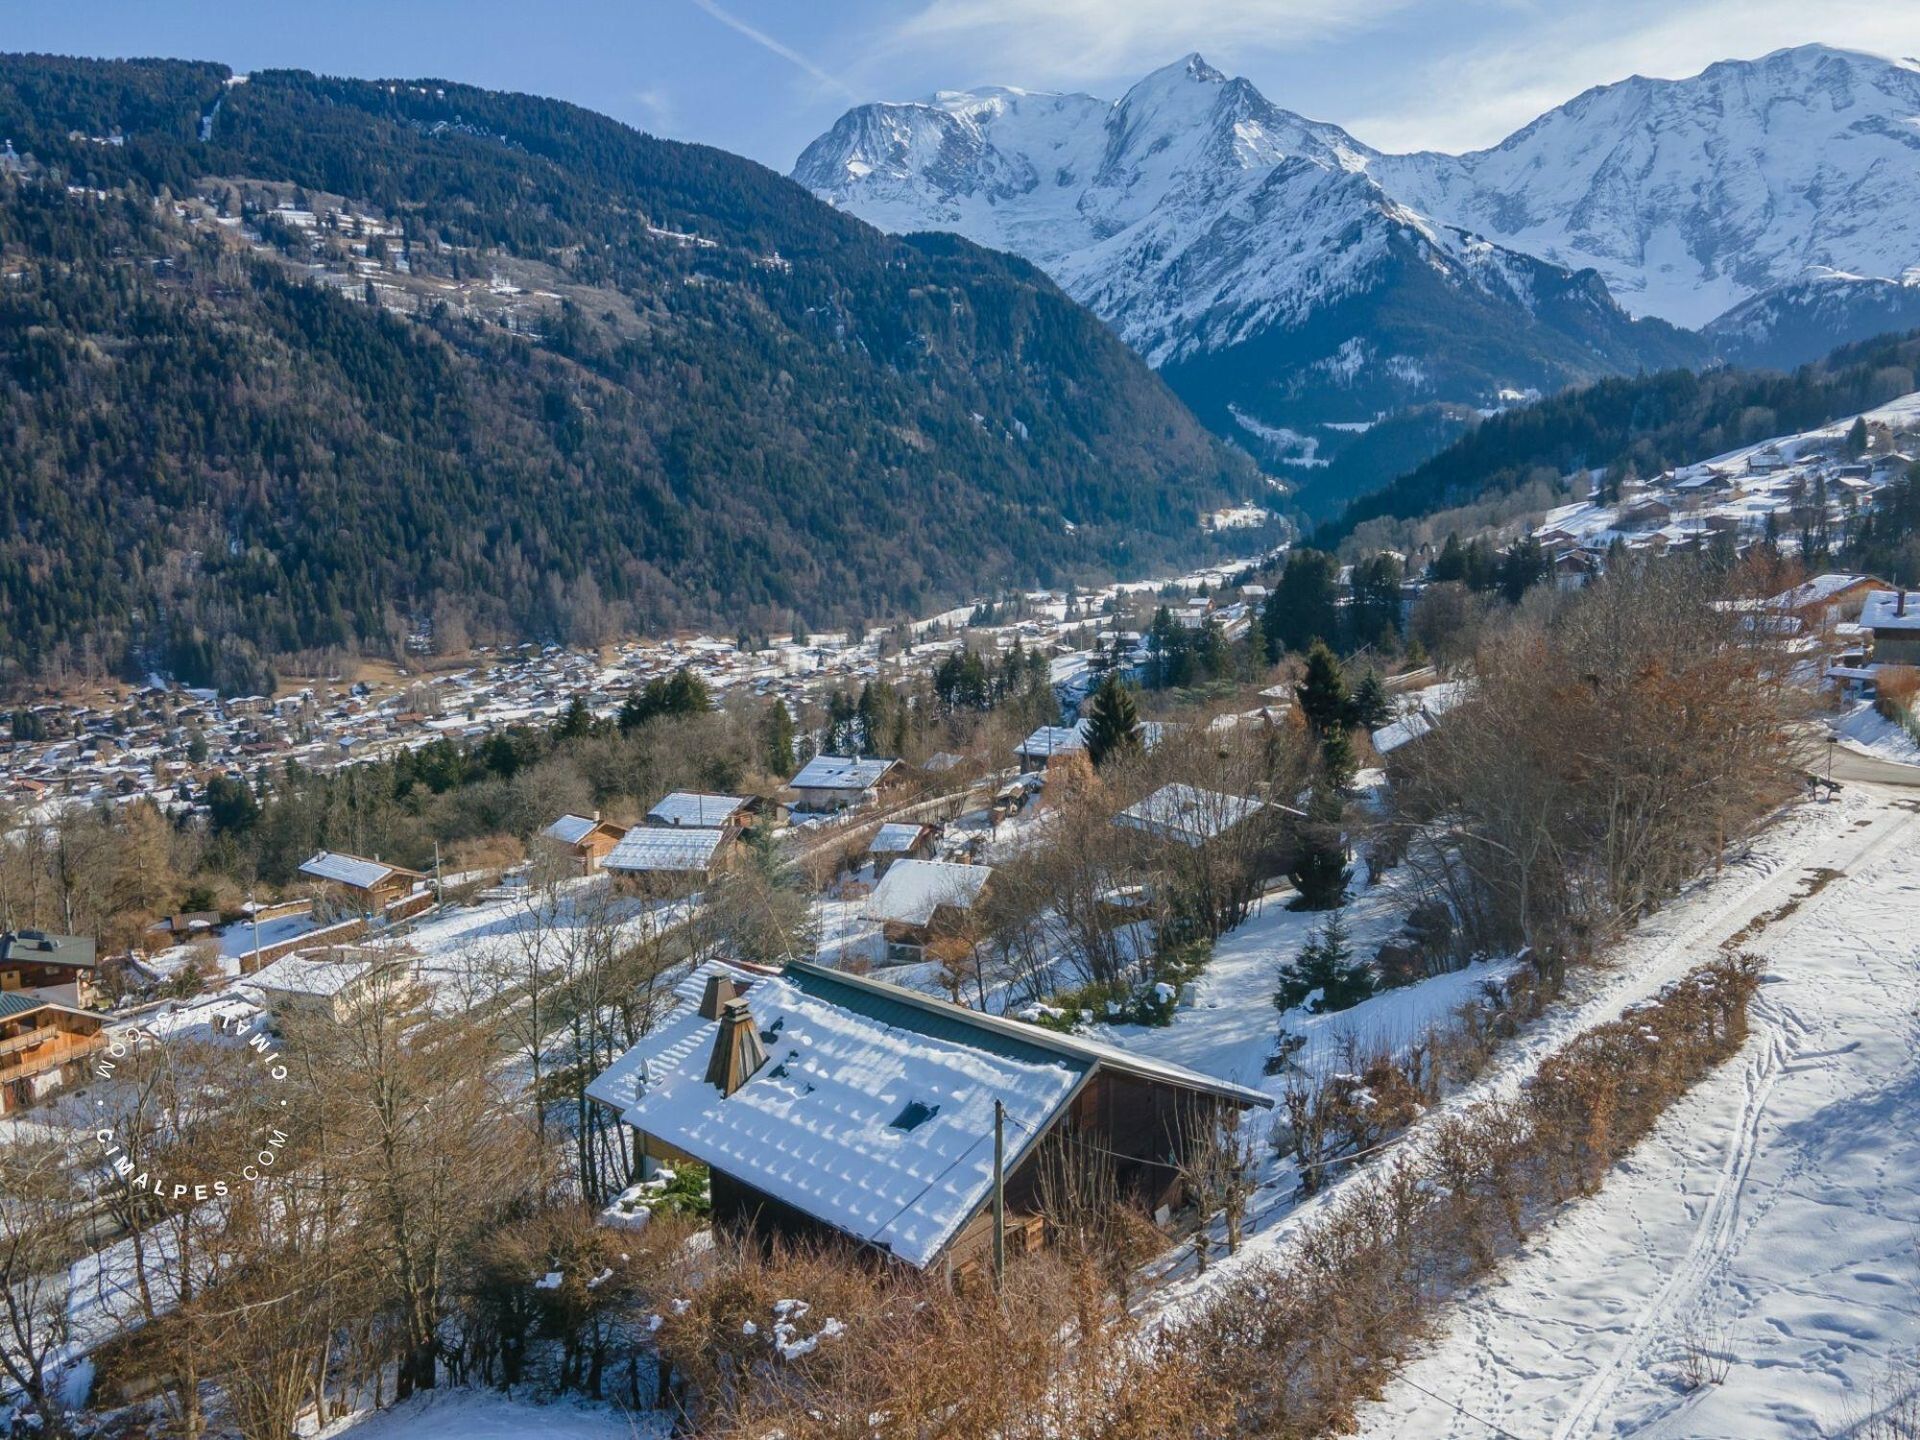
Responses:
[39,1051]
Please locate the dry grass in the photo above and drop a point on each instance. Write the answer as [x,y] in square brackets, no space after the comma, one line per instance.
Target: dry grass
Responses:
[1300,1346]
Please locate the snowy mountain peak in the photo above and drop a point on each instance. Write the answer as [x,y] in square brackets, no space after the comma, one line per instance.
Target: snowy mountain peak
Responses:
[1279,269]
[1691,196]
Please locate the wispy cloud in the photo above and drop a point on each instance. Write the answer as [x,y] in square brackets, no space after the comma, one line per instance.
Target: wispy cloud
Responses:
[784,51]
[656,108]
[1476,94]
[1054,41]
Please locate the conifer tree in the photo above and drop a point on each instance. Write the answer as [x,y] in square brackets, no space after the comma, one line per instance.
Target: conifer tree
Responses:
[1370,708]
[1320,871]
[1112,721]
[1325,977]
[577,721]
[1337,762]
[1323,693]
[779,739]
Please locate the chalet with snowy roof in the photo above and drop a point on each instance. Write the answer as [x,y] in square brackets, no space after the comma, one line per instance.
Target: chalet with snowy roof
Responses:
[1036,752]
[697,810]
[828,1104]
[838,782]
[44,1045]
[1189,815]
[1893,618]
[333,985]
[586,839]
[652,857]
[59,968]
[902,840]
[1827,600]
[372,885]
[925,908]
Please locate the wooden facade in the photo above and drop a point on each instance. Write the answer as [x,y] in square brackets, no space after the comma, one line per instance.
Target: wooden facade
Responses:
[42,1046]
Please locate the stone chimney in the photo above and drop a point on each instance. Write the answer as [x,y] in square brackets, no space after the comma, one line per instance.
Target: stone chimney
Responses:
[720,989]
[737,1051]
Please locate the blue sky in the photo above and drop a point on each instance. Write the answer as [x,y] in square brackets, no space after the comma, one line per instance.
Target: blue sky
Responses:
[762,77]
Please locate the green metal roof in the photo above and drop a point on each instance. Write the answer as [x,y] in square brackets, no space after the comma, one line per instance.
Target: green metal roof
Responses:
[12,1004]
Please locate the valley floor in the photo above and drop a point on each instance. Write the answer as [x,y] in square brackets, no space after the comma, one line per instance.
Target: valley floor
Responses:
[1770,1225]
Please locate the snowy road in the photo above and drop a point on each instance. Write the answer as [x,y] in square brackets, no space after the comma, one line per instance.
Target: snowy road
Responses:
[1772,1220]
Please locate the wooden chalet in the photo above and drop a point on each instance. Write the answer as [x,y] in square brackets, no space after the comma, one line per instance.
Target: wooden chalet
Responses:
[825,1103]
[43,1046]
[925,908]
[829,783]
[60,968]
[900,840]
[371,885]
[586,839]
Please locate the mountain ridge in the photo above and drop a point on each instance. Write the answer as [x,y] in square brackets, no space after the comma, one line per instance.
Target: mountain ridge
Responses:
[1215,220]
[409,350]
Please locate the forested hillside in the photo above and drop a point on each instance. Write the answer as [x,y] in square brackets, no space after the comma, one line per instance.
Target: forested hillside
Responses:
[590,381]
[1641,425]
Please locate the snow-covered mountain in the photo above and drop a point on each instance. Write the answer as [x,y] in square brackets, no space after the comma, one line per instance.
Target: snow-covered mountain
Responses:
[1248,252]
[1294,283]
[1692,196]
[1791,323]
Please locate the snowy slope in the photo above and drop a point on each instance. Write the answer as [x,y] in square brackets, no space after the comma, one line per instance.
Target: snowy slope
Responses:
[1691,196]
[1246,250]
[1803,319]
[1198,218]
[1770,1218]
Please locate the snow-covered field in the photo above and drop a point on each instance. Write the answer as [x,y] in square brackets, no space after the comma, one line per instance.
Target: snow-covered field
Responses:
[1773,1217]
[1231,1027]
[1866,730]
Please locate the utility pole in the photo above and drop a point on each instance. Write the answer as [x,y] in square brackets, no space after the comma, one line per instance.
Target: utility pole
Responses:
[999,1195]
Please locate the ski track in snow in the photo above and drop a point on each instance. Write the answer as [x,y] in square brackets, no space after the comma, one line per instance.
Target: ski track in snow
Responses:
[1769,1219]
[1661,950]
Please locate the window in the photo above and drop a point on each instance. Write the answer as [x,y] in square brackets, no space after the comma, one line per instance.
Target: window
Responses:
[916,1114]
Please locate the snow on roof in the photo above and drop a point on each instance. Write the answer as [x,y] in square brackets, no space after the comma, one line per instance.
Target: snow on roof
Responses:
[912,890]
[841,772]
[895,839]
[1816,591]
[345,869]
[570,829]
[1878,613]
[664,848]
[688,807]
[296,975]
[1053,740]
[1188,814]
[874,1109]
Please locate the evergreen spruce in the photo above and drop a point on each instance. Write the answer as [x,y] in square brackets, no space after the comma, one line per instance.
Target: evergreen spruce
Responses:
[1325,977]
[1112,721]
[1337,761]
[1370,708]
[1323,693]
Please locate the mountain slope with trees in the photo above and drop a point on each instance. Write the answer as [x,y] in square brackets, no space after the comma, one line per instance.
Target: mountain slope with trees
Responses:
[733,406]
[1640,425]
